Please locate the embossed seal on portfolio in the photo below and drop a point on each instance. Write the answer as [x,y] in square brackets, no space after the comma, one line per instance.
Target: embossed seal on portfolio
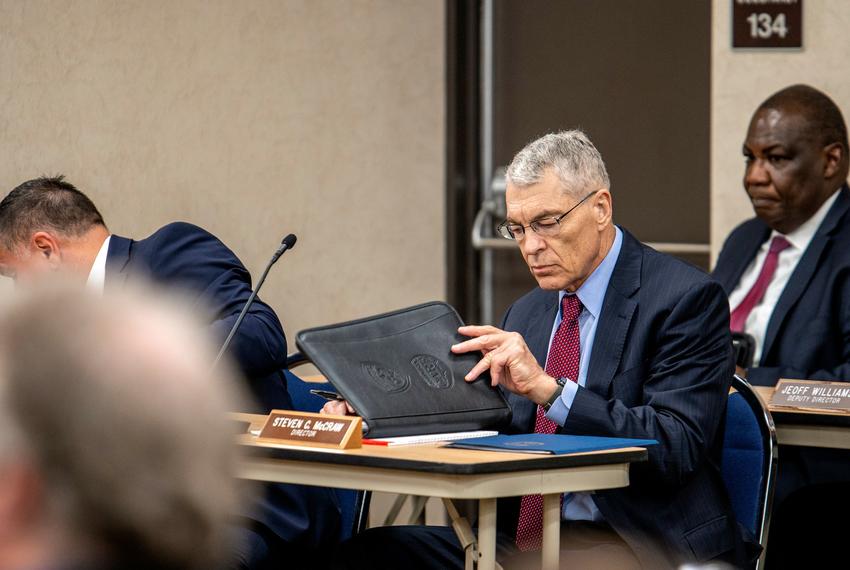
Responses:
[433,371]
[385,378]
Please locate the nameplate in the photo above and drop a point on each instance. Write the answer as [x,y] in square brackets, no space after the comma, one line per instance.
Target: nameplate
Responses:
[812,394]
[315,430]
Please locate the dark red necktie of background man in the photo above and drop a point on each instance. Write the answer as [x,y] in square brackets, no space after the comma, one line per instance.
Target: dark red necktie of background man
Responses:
[738,319]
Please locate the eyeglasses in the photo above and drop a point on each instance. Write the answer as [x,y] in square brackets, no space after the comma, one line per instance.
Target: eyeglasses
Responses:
[544,227]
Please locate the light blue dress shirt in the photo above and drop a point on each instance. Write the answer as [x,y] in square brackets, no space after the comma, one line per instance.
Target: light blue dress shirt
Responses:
[579,506]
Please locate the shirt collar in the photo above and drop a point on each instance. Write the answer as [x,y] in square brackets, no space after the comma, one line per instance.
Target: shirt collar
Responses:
[592,291]
[802,236]
[97,273]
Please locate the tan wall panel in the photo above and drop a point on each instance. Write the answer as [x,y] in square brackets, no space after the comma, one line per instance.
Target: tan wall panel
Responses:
[252,119]
[743,79]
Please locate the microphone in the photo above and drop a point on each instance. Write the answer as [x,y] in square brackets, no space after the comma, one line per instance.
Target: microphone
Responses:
[286,243]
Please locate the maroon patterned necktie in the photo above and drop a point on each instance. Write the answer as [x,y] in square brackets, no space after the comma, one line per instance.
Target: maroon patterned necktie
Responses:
[738,319]
[563,362]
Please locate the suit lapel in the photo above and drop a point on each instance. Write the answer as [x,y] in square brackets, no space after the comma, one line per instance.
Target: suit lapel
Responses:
[729,273]
[117,262]
[542,319]
[536,335]
[799,280]
[618,308]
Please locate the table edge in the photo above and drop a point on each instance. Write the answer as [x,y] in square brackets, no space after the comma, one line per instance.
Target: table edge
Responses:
[509,465]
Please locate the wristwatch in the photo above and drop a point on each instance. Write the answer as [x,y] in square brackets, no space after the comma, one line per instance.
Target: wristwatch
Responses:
[557,394]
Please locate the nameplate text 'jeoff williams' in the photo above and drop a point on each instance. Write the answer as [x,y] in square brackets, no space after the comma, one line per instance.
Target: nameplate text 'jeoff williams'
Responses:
[812,394]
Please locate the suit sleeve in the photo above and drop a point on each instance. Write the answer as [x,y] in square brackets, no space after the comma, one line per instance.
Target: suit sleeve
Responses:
[770,375]
[680,389]
[190,257]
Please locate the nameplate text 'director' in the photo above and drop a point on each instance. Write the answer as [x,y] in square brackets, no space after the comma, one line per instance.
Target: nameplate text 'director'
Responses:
[812,394]
[315,430]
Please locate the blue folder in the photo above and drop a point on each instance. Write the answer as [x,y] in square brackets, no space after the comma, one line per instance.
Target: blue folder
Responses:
[552,444]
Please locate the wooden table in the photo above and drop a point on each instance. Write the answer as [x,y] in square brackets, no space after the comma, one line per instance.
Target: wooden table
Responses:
[437,471]
[810,428]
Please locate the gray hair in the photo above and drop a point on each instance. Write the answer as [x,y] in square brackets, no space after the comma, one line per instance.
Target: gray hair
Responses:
[114,404]
[576,161]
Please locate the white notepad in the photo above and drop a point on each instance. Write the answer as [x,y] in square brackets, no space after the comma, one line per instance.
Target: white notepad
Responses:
[435,437]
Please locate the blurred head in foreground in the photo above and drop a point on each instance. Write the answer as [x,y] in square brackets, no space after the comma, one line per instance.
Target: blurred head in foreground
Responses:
[114,448]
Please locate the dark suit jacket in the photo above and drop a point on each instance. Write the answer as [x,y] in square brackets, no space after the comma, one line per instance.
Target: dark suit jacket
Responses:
[661,367]
[808,335]
[192,260]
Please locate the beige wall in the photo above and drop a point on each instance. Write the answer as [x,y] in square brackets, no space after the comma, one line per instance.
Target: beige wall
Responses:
[252,119]
[743,79]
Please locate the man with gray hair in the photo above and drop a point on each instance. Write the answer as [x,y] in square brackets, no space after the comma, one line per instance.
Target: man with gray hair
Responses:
[114,446]
[618,340]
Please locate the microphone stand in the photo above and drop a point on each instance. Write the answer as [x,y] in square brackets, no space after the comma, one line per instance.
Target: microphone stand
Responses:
[286,243]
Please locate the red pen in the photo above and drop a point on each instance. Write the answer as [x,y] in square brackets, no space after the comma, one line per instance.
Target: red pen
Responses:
[374,442]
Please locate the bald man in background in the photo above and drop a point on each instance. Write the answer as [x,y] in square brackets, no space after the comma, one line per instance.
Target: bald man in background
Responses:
[787,274]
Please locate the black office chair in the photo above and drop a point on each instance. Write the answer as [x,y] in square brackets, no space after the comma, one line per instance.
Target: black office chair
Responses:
[354,505]
[749,460]
[744,346]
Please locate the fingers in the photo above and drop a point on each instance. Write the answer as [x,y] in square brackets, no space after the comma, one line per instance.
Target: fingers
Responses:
[498,362]
[470,345]
[508,360]
[337,408]
[495,361]
[482,366]
[477,330]
[486,341]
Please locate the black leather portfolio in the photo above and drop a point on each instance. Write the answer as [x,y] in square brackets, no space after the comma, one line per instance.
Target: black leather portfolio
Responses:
[398,372]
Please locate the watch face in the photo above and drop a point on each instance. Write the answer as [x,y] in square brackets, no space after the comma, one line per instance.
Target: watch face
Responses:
[562,381]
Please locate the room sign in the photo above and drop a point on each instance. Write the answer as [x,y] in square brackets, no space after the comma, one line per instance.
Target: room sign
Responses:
[767,24]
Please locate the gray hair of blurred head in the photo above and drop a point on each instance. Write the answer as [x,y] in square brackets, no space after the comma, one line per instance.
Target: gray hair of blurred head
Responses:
[573,157]
[113,402]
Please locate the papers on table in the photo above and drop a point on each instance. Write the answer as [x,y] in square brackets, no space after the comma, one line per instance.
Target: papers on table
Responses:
[430,438]
[553,444]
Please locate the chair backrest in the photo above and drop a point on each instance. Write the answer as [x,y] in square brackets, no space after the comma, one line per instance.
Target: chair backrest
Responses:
[744,346]
[354,505]
[299,391]
[749,460]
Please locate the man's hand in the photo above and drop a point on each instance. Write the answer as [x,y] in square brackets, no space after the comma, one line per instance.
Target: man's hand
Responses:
[337,408]
[509,360]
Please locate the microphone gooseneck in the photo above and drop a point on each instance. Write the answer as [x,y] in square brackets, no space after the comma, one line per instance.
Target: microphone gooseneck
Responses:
[286,243]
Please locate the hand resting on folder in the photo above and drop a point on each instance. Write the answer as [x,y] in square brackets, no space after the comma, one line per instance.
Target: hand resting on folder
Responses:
[337,408]
[397,372]
[509,360]
[506,356]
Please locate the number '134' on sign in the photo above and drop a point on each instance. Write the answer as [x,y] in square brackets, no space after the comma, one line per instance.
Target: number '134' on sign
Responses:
[764,25]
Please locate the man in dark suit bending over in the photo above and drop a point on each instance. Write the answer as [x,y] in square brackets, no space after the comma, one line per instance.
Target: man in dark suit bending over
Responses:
[618,340]
[787,272]
[48,226]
